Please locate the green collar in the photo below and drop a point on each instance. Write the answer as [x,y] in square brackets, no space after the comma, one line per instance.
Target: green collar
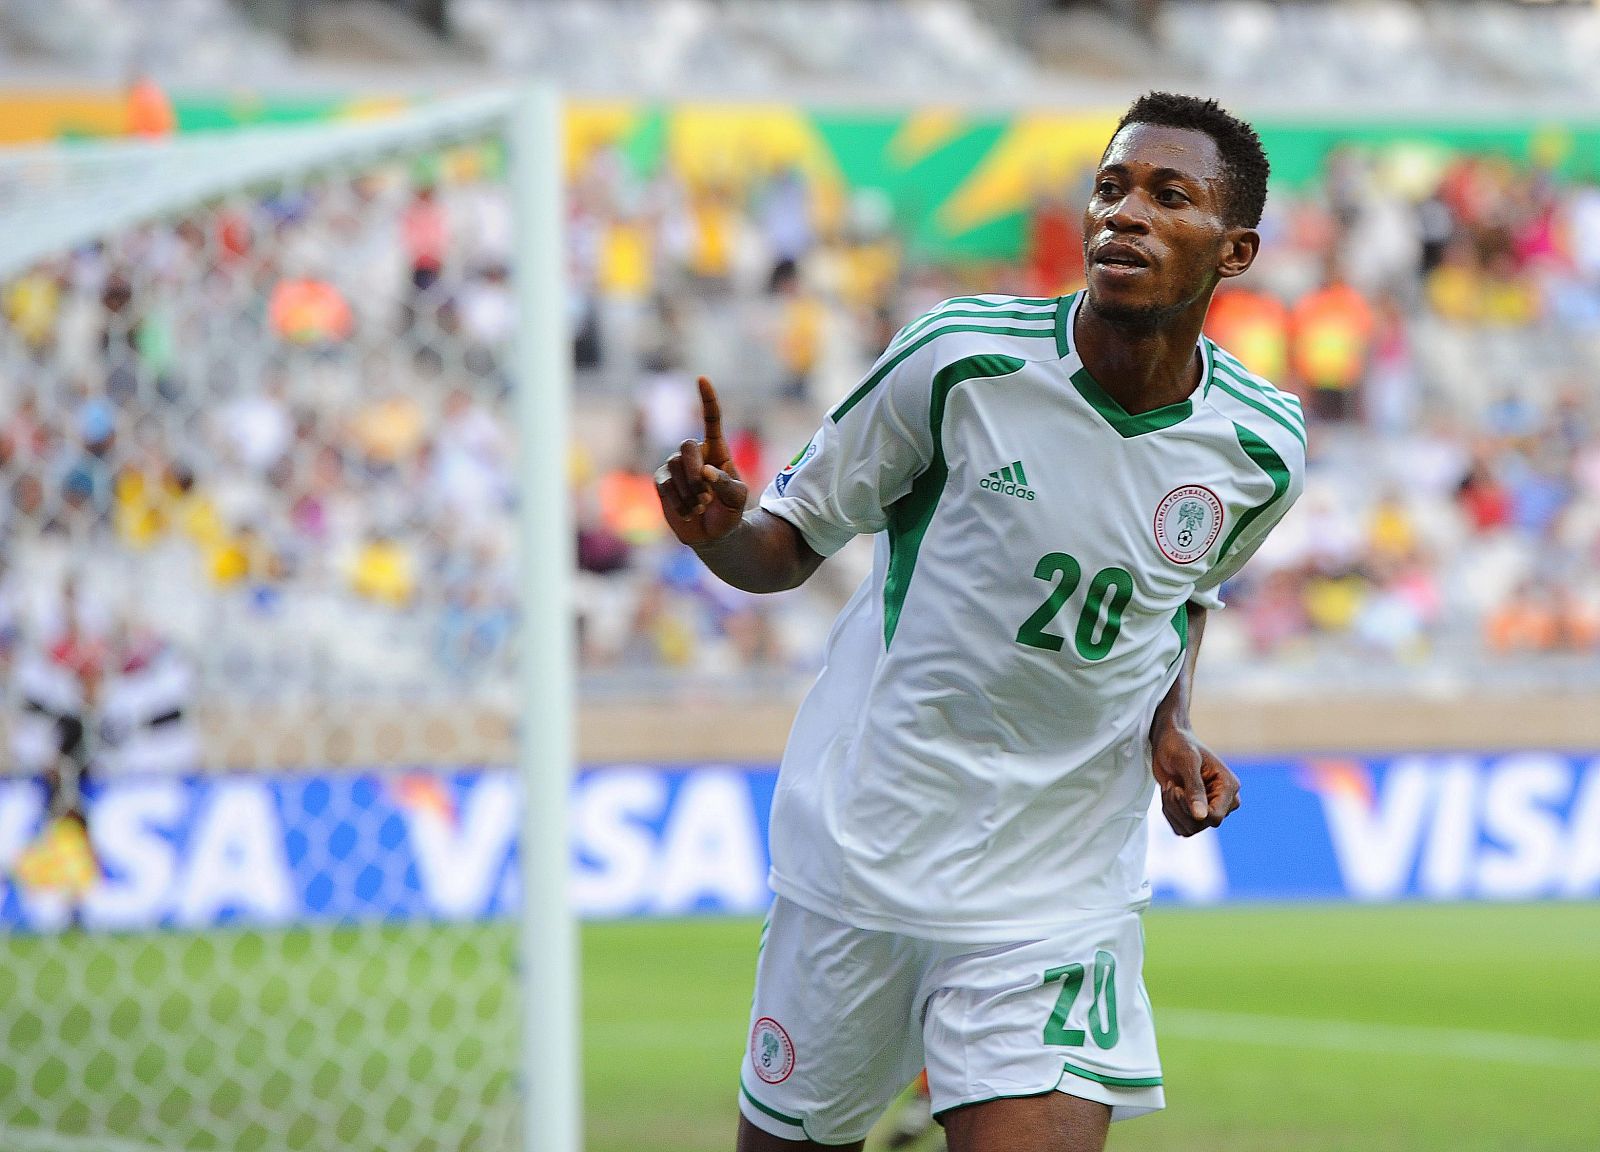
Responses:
[1126,423]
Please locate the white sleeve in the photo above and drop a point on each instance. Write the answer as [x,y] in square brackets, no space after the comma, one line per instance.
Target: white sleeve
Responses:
[1239,552]
[866,455]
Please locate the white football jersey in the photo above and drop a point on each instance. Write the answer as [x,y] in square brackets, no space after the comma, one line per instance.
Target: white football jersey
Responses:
[973,761]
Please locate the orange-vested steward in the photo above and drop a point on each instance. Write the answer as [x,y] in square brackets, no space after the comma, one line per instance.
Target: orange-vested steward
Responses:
[1332,329]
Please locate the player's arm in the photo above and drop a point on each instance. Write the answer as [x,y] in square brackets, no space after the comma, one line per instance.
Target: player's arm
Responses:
[1197,789]
[704,500]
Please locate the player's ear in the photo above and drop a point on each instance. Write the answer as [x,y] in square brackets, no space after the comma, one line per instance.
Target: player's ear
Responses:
[1239,248]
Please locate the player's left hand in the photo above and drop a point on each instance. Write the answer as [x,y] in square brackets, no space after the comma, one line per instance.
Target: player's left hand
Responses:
[1197,789]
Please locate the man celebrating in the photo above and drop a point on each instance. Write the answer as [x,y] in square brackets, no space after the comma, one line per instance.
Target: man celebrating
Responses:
[1058,488]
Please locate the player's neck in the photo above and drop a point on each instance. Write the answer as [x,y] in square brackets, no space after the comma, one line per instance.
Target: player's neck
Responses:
[1142,366]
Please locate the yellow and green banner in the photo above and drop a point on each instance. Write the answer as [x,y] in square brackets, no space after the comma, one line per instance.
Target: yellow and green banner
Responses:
[960,182]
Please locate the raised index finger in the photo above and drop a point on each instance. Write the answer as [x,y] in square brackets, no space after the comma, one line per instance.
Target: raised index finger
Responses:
[716,451]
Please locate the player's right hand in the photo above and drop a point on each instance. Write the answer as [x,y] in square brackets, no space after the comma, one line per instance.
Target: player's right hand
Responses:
[699,488]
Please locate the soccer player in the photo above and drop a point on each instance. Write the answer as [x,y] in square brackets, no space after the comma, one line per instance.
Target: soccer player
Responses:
[1058,487]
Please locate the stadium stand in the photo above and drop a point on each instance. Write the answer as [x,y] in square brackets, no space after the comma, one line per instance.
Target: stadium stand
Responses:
[263,472]
[603,46]
[1435,52]
[1426,54]
[179,410]
[114,38]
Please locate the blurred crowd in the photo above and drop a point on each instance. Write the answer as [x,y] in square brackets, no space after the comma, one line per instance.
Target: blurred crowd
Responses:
[1440,317]
[1442,322]
[274,432]
[274,436]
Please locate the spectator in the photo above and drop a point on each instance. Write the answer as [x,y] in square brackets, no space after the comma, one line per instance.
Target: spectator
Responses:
[1254,326]
[1332,337]
[800,317]
[309,312]
[150,114]
[384,571]
[784,210]
[1484,499]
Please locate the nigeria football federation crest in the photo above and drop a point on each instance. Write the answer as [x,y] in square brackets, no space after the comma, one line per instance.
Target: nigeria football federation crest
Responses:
[1188,522]
[771,1051]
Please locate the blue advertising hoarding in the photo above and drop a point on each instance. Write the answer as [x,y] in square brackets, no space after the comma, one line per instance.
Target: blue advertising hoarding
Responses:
[652,840]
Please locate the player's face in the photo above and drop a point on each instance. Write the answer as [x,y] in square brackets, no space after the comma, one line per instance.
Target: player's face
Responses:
[1155,236]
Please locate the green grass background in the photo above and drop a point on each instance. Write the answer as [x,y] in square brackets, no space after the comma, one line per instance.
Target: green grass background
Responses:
[403,1037]
[1528,970]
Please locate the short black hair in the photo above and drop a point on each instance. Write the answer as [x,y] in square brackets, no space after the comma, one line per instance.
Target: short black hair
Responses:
[1244,161]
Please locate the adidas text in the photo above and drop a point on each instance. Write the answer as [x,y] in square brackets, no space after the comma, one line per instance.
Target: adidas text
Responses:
[1006,487]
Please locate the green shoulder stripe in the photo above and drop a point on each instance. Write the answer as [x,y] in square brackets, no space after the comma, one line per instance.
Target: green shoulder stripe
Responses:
[1269,462]
[1292,415]
[910,515]
[1064,325]
[1253,400]
[1239,374]
[894,361]
[982,302]
[933,318]
[945,307]
[1240,369]
[1002,302]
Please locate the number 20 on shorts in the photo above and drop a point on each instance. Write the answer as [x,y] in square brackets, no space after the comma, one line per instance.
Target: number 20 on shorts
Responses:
[1102,1004]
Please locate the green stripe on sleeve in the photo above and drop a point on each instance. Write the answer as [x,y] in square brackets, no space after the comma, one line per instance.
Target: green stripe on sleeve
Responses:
[894,361]
[1263,408]
[910,516]
[1269,462]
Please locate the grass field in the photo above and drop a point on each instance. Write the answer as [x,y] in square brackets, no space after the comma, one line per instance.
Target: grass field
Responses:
[1398,1029]
[1411,1029]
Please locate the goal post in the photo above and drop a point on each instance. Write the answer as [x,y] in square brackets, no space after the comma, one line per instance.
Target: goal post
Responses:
[286,601]
[549,944]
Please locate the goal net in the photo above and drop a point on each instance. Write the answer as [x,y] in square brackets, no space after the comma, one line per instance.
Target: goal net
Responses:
[264,611]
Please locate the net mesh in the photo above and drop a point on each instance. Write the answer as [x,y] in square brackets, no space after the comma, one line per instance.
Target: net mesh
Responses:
[257,611]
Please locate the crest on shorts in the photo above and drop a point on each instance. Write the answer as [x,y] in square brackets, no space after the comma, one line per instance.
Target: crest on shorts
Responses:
[781,481]
[1188,522]
[771,1051]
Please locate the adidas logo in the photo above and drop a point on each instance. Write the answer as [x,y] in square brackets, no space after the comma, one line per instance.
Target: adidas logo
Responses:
[1010,481]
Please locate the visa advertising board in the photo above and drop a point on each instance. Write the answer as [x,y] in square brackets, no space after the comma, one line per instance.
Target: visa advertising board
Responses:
[651,840]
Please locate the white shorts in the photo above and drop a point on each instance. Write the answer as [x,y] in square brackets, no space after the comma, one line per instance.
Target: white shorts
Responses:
[844,1018]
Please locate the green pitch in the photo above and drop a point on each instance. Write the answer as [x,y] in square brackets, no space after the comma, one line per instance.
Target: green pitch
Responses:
[1405,1029]
[1342,1029]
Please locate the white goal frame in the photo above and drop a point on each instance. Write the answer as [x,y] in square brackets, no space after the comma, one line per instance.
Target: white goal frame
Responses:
[55,197]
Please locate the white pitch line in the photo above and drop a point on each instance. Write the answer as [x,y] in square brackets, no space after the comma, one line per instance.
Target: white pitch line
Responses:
[1401,1039]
